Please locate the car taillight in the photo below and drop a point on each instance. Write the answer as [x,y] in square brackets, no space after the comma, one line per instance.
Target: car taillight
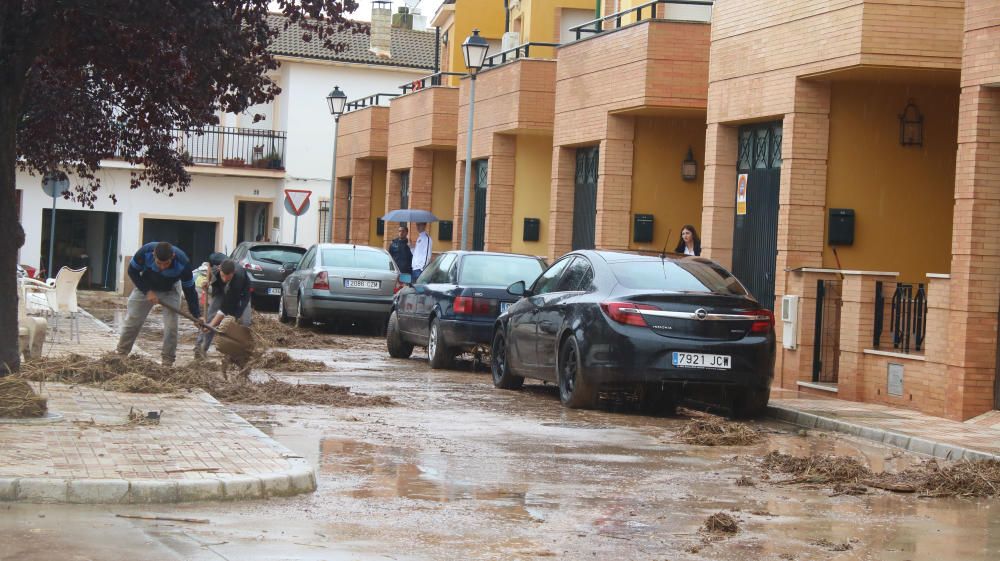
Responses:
[322,282]
[763,321]
[472,306]
[252,267]
[626,312]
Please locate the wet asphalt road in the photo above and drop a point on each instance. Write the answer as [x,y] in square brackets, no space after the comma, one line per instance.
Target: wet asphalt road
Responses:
[459,470]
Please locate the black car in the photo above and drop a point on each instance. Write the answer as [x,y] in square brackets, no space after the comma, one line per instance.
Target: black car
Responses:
[451,308]
[264,263]
[661,328]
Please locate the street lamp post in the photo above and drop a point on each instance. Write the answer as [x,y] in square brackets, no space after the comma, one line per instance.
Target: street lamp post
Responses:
[474,51]
[336,100]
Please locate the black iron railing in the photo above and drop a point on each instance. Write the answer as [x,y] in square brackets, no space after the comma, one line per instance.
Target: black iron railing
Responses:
[510,55]
[907,316]
[630,16]
[231,147]
[826,338]
[370,101]
[427,81]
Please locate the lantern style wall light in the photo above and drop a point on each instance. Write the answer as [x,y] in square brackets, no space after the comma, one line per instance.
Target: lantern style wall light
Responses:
[911,126]
[689,167]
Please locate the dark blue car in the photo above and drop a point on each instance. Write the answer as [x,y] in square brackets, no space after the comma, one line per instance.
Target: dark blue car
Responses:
[452,307]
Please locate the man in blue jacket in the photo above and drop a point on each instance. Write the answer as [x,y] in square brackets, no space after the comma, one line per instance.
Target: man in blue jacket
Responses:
[155,271]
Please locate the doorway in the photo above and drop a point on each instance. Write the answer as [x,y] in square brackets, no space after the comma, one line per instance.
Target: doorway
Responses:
[350,203]
[481,169]
[755,234]
[84,238]
[404,189]
[585,198]
[196,238]
[251,221]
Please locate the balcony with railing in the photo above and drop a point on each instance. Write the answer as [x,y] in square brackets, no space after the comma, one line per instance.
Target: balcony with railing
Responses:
[231,147]
[424,117]
[650,57]
[363,131]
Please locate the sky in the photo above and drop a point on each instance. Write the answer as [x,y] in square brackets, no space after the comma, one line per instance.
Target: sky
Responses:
[427,8]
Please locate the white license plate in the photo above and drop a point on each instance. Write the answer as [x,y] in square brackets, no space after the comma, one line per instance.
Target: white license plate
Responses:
[357,283]
[504,306]
[699,360]
[274,291]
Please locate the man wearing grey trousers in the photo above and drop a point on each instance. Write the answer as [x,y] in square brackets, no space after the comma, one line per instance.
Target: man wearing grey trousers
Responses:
[155,271]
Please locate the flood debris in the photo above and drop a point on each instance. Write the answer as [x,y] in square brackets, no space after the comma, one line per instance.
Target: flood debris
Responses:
[709,430]
[133,382]
[18,400]
[139,417]
[832,546]
[207,375]
[273,333]
[278,360]
[721,523]
[745,481]
[964,478]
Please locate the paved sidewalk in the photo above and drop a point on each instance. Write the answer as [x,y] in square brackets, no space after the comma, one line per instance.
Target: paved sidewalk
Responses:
[200,450]
[904,428]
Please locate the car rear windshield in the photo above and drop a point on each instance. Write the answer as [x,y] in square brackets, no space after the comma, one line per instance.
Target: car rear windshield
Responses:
[677,276]
[498,270]
[276,254]
[350,258]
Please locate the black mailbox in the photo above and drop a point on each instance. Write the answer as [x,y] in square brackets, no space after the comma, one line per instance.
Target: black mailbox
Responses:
[642,229]
[380,227]
[444,230]
[532,227]
[841,226]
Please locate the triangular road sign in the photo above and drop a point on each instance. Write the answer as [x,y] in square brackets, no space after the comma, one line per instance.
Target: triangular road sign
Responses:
[297,198]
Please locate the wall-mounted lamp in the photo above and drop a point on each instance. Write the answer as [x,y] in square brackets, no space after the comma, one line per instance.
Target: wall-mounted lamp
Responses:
[911,126]
[689,167]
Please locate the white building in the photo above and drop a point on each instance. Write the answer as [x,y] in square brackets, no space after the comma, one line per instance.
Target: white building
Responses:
[239,170]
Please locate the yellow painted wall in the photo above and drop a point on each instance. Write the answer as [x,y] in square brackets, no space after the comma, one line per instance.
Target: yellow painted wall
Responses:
[903,197]
[485,15]
[532,177]
[443,190]
[378,201]
[661,144]
[538,21]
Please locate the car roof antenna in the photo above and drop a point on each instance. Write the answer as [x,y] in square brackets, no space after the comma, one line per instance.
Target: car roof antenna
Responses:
[663,252]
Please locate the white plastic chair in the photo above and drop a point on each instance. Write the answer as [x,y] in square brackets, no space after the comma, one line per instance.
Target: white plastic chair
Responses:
[57,297]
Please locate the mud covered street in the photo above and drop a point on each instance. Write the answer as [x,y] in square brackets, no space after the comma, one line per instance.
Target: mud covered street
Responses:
[458,470]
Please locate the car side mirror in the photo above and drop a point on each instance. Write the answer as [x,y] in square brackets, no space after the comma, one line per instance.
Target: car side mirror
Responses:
[518,289]
[405,278]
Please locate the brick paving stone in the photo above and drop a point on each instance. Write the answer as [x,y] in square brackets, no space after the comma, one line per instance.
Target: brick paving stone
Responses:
[979,435]
[95,442]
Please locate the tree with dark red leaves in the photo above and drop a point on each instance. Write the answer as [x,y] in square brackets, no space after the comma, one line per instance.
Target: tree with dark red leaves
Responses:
[82,80]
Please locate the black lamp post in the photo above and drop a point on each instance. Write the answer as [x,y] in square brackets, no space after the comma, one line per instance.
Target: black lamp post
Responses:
[474,51]
[336,100]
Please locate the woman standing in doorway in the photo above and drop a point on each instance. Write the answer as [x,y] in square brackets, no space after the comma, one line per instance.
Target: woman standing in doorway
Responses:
[690,243]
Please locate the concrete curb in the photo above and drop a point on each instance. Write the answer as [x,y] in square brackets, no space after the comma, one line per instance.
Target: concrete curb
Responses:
[892,438]
[299,478]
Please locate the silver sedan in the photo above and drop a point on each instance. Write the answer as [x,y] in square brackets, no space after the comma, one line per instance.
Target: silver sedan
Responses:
[339,281]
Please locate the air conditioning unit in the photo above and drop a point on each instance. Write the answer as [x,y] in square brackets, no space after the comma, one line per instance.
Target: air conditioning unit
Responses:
[790,321]
[510,40]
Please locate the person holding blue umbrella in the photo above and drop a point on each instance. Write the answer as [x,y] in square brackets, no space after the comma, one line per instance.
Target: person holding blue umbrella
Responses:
[422,250]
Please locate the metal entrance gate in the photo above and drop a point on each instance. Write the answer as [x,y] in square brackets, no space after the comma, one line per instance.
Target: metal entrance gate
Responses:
[350,199]
[480,168]
[826,349]
[404,189]
[755,235]
[585,198]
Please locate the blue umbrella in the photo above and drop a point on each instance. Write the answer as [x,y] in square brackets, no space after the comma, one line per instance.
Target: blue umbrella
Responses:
[410,215]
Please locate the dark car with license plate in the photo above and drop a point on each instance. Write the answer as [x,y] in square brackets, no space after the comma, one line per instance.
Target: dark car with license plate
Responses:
[661,328]
[264,264]
[452,307]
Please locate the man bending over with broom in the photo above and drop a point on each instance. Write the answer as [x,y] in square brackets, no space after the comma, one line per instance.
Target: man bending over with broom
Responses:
[230,290]
[155,271]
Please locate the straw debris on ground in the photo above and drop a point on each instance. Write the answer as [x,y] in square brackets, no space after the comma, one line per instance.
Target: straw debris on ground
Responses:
[142,374]
[721,523]
[714,431]
[273,333]
[964,478]
[18,400]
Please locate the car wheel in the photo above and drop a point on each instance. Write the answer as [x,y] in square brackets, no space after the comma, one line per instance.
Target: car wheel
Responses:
[502,376]
[657,401]
[575,391]
[282,312]
[300,318]
[437,349]
[751,403]
[398,348]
